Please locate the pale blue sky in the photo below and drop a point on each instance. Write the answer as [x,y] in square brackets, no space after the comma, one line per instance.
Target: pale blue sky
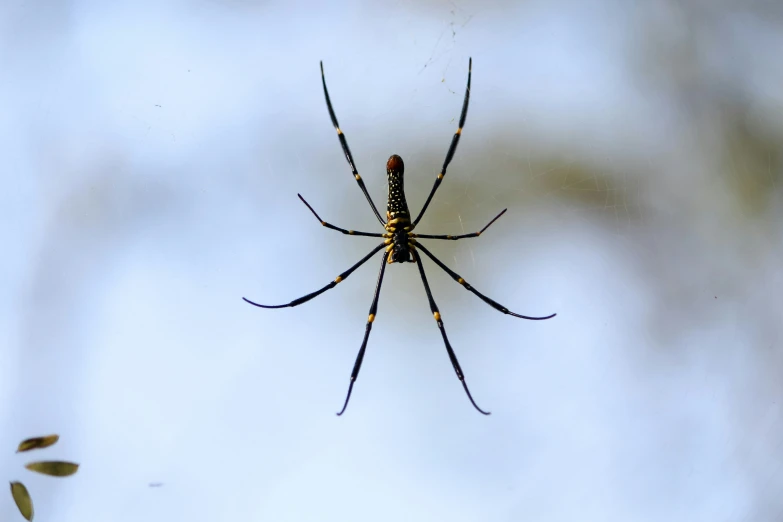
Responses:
[152,153]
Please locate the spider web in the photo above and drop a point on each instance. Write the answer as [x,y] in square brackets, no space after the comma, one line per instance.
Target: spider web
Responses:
[153,184]
[504,164]
[679,201]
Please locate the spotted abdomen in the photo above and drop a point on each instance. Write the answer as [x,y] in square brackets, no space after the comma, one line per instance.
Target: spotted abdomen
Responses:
[396,207]
[398,220]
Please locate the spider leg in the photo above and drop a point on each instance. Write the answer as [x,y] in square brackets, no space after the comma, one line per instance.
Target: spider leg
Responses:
[344,231]
[494,304]
[346,150]
[370,318]
[449,349]
[463,236]
[339,278]
[452,147]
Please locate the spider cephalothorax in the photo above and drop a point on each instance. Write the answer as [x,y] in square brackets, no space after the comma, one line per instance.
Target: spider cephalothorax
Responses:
[400,244]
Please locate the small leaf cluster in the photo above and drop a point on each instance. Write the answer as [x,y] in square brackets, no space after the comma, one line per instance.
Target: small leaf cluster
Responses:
[54,468]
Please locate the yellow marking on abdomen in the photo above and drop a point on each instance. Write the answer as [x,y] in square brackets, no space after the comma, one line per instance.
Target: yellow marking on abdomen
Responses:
[436,315]
[461,281]
[339,131]
[440,175]
[358,177]
[338,279]
[371,318]
[459,131]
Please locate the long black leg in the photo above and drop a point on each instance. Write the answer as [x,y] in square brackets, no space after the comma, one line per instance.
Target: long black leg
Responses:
[346,150]
[370,318]
[339,278]
[494,304]
[463,236]
[344,231]
[449,349]
[452,147]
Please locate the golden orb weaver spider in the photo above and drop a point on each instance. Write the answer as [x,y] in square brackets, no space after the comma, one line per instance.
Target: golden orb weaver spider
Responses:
[400,244]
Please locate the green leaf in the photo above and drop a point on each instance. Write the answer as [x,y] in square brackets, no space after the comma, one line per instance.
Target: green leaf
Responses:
[55,468]
[37,443]
[22,499]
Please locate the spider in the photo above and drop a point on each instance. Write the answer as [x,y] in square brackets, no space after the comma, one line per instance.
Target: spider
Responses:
[400,244]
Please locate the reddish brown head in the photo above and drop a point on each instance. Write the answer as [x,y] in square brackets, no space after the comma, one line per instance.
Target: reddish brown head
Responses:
[395,164]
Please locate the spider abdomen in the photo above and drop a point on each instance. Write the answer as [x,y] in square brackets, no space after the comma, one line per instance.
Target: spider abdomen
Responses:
[397,215]
[397,207]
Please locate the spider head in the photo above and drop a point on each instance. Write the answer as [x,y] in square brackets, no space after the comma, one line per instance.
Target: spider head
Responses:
[395,165]
[401,251]
[401,255]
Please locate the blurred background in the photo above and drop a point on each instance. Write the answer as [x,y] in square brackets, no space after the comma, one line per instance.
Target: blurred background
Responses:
[151,157]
